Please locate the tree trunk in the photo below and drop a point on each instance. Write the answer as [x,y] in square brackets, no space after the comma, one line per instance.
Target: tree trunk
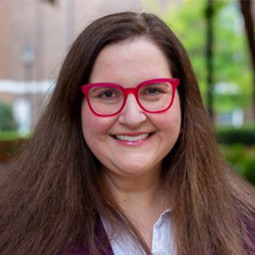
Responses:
[209,57]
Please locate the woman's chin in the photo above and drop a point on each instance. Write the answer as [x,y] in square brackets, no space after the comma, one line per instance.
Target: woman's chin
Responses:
[134,169]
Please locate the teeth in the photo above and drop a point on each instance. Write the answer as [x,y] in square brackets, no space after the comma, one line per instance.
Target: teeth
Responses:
[131,138]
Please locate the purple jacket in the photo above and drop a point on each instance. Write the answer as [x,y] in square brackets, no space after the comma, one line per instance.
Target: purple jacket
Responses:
[251,235]
[102,241]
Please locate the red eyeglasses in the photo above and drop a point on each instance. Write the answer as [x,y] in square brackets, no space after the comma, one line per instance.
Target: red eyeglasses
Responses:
[108,99]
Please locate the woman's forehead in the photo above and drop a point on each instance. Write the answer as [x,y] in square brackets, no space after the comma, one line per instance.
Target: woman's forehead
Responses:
[138,56]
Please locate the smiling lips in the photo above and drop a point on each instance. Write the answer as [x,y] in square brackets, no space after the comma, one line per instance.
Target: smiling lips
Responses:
[132,138]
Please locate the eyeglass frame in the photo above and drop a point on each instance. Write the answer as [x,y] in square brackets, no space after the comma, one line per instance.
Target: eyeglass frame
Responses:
[126,91]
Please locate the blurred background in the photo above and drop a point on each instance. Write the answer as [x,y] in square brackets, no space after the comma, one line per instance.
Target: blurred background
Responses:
[219,36]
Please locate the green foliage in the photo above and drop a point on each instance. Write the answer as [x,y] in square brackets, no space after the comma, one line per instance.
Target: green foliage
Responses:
[250,170]
[230,135]
[9,135]
[242,160]
[231,59]
[7,122]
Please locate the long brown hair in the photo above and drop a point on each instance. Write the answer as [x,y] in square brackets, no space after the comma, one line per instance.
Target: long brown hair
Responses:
[50,194]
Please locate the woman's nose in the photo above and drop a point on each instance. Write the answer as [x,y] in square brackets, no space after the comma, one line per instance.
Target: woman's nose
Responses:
[132,114]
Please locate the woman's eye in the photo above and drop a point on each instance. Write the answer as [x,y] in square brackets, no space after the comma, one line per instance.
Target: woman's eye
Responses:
[152,91]
[106,94]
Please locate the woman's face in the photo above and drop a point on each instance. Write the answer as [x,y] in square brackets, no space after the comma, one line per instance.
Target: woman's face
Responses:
[129,63]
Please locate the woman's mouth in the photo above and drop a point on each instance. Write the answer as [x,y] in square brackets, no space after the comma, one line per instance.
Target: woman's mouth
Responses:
[132,138]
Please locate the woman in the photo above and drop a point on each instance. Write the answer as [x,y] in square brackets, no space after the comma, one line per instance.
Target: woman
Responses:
[123,160]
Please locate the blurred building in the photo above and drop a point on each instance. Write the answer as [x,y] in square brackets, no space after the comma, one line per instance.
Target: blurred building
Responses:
[35,35]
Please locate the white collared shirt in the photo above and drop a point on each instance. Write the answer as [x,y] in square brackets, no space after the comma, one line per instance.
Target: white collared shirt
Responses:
[162,239]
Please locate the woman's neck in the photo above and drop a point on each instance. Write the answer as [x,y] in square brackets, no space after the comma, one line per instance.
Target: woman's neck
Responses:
[142,199]
[127,188]
[136,195]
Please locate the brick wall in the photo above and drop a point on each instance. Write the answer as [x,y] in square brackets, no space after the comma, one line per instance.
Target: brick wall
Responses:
[48,30]
[5,39]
